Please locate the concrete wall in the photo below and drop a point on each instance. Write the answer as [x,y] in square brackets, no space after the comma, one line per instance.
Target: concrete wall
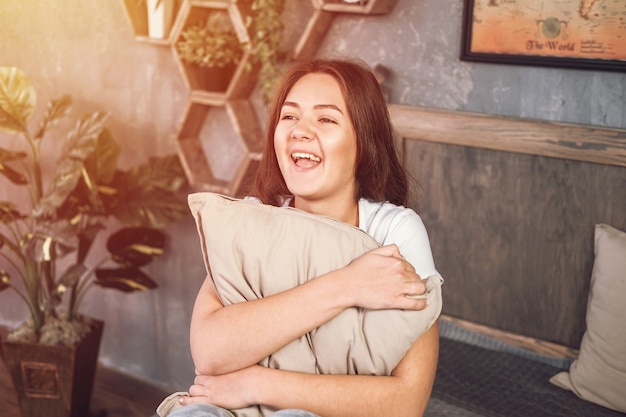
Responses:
[86,48]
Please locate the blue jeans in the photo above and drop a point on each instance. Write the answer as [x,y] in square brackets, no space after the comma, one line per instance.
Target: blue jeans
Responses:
[207,410]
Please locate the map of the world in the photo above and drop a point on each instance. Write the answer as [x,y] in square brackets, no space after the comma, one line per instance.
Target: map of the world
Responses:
[593,29]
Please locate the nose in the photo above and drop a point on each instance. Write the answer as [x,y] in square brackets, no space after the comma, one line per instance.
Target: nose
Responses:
[302,130]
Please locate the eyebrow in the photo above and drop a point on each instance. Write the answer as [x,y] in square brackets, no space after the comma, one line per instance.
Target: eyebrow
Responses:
[316,107]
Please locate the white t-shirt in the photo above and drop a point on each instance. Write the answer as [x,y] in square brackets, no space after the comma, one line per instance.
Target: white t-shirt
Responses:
[388,223]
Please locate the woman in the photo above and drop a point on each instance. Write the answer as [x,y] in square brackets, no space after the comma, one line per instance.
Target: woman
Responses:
[330,151]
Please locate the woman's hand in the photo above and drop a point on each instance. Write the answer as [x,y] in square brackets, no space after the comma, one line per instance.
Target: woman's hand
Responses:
[230,391]
[383,279]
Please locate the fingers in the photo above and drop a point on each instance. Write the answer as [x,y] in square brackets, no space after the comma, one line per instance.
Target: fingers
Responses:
[415,289]
[388,250]
[383,279]
[416,304]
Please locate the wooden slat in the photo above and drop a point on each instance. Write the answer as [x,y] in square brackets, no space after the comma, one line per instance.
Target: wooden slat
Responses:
[536,345]
[559,140]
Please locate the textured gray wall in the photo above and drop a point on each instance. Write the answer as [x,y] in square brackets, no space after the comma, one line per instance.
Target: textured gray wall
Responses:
[420,42]
[86,48]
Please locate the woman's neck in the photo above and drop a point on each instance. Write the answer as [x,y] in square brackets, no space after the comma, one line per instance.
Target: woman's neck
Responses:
[346,211]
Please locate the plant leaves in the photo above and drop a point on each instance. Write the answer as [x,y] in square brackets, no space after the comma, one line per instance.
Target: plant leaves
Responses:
[136,246]
[57,109]
[102,163]
[124,279]
[50,241]
[87,234]
[17,100]
[80,143]
[146,194]
[98,169]
[5,280]
[9,213]
[162,172]
[14,176]
[70,277]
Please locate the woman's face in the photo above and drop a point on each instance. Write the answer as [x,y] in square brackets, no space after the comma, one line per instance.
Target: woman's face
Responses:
[315,142]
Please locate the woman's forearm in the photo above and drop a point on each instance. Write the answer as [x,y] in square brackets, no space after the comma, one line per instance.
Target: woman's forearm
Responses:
[405,393]
[225,339]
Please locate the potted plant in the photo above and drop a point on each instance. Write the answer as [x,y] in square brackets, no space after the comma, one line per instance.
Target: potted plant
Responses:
[46,246]
[211,50]
[213,44]
[267,30]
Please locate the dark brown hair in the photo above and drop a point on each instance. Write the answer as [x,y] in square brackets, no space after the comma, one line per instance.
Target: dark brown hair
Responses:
[379,173]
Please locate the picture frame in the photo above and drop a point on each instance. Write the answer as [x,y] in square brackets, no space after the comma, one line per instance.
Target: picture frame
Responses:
[579,34]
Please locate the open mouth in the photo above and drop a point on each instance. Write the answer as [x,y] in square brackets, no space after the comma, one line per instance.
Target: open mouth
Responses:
[305,160]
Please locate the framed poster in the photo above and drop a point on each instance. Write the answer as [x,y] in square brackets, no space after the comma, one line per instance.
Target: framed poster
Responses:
[584,34]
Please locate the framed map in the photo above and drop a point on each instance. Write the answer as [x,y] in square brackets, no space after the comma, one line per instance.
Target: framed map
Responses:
[586,34]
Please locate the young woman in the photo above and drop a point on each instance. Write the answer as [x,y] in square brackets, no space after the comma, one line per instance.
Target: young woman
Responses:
[330,151]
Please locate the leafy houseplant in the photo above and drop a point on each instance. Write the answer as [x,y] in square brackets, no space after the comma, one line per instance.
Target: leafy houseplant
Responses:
[267,30]
[214,43]
[68,212]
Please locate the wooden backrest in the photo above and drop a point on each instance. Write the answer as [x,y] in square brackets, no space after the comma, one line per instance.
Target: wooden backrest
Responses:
[510,206]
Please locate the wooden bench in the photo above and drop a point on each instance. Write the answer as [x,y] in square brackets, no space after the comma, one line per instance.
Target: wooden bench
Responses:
[511,207]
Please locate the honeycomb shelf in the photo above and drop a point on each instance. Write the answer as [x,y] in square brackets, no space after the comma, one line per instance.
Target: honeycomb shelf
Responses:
[244,144]
[222,95]
[216,85]
[137,14]
[314,32]
[359,6]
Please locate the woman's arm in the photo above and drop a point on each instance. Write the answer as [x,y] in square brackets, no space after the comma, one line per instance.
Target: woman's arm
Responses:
[227,339]
[405,393]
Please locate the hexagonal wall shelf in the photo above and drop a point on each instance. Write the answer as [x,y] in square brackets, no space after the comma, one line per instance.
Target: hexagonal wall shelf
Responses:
[161,33]
[316,28]
[195,150]
[355,6]
[216,85]
[229,90]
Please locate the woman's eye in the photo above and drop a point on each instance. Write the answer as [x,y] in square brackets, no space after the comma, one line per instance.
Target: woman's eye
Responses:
[287,117]
[327,120]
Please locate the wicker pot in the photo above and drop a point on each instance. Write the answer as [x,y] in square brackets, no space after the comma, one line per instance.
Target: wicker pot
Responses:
[54,381]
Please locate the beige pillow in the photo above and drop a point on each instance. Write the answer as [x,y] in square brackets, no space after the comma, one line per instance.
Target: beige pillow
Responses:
[253,250]
[598,374]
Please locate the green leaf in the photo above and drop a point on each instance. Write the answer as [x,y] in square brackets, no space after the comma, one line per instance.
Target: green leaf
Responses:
[5,280]
[136,246]
[9,155]
[88,197]
[14,176]
[146,194]
[150,207]
[102,163]
[70,277]
[87,235]
[8,212]
[17,100]
[50,241]
[161,172]
[80,143]
[124,279]
[57,109]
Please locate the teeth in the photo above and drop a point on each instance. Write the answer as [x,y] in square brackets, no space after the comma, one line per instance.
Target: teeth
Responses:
[302,155]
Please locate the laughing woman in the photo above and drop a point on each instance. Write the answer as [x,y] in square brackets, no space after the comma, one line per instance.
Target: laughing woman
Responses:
[330,151]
